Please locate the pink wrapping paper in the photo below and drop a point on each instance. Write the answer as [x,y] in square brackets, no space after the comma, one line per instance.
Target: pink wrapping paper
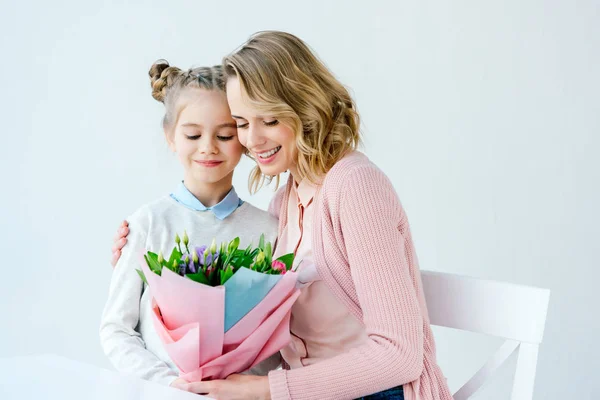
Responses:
[189,319]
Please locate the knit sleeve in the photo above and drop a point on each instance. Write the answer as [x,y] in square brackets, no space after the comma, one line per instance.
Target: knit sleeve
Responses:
[369,217]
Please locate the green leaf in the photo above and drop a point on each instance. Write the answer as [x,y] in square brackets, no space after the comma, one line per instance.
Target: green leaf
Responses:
[265,266]
[287,259]
[141,274]
[199,277]
[175,256]
[152,261]
[228,259]
[268,253]
[247,261]
[241,259]
[226,275]
[261,242]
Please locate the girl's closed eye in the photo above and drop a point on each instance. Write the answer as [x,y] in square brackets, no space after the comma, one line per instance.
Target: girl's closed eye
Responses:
[193,137]
[225,138]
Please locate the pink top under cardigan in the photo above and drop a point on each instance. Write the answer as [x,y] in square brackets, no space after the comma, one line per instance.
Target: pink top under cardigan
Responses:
[321,326]
[363,251]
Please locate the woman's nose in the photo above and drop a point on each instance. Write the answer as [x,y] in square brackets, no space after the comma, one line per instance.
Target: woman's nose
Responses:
[254,137]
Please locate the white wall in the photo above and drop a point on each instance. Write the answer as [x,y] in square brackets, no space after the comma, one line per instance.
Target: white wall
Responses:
[485,115]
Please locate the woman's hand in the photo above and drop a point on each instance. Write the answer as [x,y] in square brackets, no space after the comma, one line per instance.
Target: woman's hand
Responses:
[235,387]
[179,383]
[119,241]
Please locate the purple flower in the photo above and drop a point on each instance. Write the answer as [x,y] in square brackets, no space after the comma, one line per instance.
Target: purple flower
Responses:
[210,258]
[192,267]
[189,265]
[200,251]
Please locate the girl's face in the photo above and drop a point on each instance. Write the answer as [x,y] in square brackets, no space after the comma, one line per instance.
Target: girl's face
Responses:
[271,143]
[205,138]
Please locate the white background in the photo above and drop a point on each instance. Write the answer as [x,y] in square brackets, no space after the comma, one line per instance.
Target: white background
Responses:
[485,115]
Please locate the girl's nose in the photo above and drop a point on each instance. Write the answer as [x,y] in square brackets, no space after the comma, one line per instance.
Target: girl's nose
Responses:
[207,145]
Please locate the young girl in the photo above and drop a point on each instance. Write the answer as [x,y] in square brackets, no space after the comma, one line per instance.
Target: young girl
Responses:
[360,327]
[198,127]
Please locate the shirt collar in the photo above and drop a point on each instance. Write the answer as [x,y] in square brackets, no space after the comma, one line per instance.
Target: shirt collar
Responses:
[224,209]
[305,191]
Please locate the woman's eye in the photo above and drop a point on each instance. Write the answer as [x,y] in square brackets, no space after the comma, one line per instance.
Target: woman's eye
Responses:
[271,123]
[242,125]
[195,137]
[224,138]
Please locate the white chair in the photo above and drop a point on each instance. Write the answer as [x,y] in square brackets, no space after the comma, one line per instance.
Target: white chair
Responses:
[514,312]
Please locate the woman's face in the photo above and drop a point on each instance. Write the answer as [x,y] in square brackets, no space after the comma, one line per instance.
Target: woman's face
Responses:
[271,143]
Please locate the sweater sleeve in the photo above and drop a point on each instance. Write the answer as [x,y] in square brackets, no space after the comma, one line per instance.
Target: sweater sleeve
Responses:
[121,342]
[369,217]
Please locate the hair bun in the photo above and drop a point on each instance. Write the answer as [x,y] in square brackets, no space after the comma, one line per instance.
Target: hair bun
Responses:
[162,76]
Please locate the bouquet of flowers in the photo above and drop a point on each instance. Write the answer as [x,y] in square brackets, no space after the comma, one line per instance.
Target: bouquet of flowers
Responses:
[220,310]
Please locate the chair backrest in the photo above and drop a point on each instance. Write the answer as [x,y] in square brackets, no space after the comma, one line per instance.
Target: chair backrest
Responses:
[516,313]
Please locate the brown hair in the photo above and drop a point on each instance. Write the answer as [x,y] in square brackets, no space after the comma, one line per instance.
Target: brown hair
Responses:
[170,83]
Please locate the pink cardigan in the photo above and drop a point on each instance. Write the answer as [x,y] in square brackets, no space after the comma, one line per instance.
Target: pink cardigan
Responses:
[364,252]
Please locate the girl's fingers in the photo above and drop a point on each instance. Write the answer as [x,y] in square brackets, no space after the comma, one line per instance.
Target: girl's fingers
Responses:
[119,244]
[122,230]
[115,257]
[120,239]
[121,233]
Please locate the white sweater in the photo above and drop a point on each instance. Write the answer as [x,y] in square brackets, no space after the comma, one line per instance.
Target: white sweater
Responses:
[127,334]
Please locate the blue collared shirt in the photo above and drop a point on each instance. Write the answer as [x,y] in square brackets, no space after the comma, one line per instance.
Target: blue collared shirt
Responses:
[224,209]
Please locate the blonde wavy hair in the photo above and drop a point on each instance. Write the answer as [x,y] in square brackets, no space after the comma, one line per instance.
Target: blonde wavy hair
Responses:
[283,78]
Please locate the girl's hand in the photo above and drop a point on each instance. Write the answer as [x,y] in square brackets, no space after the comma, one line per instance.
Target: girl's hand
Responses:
[119,241]
[235,387]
